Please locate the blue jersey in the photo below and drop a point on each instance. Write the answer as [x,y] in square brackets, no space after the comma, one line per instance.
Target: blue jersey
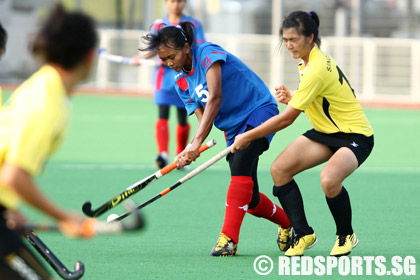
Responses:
[243,92]
[165,93]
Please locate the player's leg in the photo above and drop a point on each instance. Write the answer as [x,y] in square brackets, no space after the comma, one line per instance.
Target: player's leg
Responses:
[239,195]
[261,206]
[300,155]
[339,167]
[182,130]
[162,136]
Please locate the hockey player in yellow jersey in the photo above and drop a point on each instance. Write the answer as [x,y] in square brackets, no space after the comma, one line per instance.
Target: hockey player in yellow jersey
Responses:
[32,125]
[341,137]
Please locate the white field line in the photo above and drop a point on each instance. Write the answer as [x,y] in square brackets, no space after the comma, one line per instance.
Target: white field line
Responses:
[135,166]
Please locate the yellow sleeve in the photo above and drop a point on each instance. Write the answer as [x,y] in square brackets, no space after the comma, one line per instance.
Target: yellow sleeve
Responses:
[309,89]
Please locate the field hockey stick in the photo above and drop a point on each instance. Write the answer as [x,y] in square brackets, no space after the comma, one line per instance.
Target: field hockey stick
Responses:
[136,187]
[93,227]
[53,261]
[187,177]
[97,227]
[125,59]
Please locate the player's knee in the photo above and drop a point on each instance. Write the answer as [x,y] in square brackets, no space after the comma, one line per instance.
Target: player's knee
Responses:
[277,171]
[329,184]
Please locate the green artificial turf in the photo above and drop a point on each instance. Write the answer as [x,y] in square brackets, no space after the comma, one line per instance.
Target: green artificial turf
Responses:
[111,145]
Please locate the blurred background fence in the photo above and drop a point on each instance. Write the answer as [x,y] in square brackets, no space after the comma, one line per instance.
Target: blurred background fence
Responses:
[375,42]
[379,69]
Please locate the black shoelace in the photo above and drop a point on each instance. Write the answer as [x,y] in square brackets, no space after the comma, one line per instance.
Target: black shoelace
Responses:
[341,240]
[295,240]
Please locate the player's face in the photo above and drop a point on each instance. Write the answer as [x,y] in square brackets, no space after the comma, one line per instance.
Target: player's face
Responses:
[175,6]
[174,59]
[298,45]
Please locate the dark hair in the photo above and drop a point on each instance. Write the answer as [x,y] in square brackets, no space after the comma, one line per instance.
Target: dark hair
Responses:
[3,37]
[173,37]
[65,38]
[305,23]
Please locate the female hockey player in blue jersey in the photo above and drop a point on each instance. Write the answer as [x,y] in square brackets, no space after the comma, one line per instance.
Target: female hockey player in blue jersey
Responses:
[221,90]
[164,93]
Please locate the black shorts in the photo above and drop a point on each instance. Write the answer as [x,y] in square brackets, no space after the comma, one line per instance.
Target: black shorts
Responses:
[359,144]
[17,262]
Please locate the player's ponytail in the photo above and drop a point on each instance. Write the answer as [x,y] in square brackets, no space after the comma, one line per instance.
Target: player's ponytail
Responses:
[314,17]
[188,27]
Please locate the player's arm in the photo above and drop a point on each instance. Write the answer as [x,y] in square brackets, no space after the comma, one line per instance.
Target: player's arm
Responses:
[23,184]
[214,101]
[180,158]
[272,125]
[282,94]
[206,116]
[199,113]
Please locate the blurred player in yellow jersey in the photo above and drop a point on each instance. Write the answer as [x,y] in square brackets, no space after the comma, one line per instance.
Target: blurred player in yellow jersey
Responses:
[32,125]
[3,40]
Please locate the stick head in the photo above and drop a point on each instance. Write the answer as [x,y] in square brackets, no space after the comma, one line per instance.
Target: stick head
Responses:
[79,270]
[87,209]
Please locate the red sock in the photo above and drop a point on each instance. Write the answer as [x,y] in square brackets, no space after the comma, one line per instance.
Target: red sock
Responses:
[238,197]
[162,135]
[270,211]
[182,133]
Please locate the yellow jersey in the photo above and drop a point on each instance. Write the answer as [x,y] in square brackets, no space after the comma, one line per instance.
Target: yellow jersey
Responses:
[32,124]
[326,97]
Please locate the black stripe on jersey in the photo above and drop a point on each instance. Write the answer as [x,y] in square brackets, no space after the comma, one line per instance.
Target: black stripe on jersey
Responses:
[325,107]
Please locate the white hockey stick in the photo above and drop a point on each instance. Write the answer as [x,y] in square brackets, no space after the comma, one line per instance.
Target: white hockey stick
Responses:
[126,59]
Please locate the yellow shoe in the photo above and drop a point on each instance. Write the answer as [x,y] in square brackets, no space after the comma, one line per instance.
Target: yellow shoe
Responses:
[300,244]
[225,247]
[344,244]
[284,238]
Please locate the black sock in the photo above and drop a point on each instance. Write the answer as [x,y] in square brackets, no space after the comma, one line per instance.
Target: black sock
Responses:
[291,200]
[341,210]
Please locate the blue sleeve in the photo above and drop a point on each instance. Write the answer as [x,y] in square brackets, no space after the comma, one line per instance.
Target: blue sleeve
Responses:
[210,54]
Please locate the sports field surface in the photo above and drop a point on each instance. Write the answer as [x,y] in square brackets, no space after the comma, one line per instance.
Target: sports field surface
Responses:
[110,145]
